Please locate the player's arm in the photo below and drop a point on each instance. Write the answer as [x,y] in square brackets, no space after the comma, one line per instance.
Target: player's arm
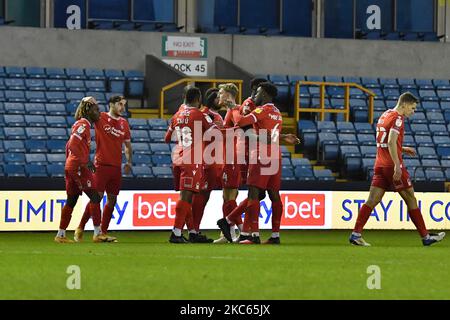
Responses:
[247,120]
[228,121]
[409,151]
[168,136]
[289,138]
[392,146]
[75,147]
[129,155]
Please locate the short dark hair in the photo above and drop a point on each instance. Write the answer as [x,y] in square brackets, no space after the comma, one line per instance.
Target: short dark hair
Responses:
[115,99]
[192,94]
[269,88]
[210,96]
[255,82]
[407,97]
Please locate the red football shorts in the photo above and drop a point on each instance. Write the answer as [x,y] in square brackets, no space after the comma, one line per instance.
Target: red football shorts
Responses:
[188,177]
[78,181]
[383,178]
[263,180]
[212,177]
[231,176]
[108,178]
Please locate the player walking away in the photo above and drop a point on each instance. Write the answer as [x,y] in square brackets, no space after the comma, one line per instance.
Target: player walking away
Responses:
[390,174]
[212,172]
[188,174]
[78,168]
[111,132]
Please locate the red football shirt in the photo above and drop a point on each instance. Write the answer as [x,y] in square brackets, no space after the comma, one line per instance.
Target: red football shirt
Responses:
[189,124]
[247,106]
[78,146]
[389,120]
[110,134]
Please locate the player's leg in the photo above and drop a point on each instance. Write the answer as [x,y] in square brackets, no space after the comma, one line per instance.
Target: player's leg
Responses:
[66,216]
[277,213]
[182,209]
[416,217]
[199,201]
[252,215]
[375,196]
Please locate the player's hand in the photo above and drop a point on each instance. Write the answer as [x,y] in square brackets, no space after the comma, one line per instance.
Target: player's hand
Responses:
[90,167]
[127,168]
[409,151]
[246,110]
[291,138]
[397,173]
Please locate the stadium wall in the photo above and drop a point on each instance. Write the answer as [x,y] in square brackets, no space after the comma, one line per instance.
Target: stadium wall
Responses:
[258,54]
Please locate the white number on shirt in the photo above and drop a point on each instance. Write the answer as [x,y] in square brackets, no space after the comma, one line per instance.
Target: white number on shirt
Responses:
[184,136]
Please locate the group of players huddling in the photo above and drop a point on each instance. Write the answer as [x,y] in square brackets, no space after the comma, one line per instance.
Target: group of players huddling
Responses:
[216,153]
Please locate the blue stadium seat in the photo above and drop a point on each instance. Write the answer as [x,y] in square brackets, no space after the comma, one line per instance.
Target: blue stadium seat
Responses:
[95,85]
[56,97]
[444,139]
[441,84]
[14,170]
[161,160]
[75,85]
[57,133]
[367,163]
[14,158]
[407,83]
[431,163]
[425,84]
[71,107]
[14,120]
[142,172]
[443,94]
[74,96]
[443,151]
[35,108]
[424,141]
[36,170]
[368,151]
[162,172]
[300,162]
[141,147]
[367,139]
[157,136]
[55,170]
[420,128]
[56,121]
[55,73]
[139,136]
[430,105]
[158,124]
[35,158]
[14,107]
[324,175]
[116,84]
[347,138]
[16,146]
[15,96]
[408,141]
[75,73]
[15,84]
[35,72]
[427,153]
[287,173]
[370,82]
[56,145]
[55,109]
[56,158]
[141,159]
[278,79]
[138,123]
[35,121]
[2,84]
[35,96]
[160,148]
[326,126]
[36,133]
[39,146]
[435,117]
[389,83]
[55,85]
[434,174]
[363,127]
[35,84]
[95,74]
[135,83]
[99,96]
[15,72]
[304,173]
[286,162]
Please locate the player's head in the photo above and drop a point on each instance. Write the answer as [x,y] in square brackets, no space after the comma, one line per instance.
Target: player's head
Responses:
[254,84]
[407,104]
[212,98]
[193,97]
[265,93]
[227,93]
[117,105]
[88,109]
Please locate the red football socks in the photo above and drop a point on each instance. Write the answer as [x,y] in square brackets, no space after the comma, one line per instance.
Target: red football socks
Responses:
[363,216]
[228,207]
[106,217]
[417,219]
[236,215]
[198,208]
[277,212]
[86,216]
[181,211]
[66,215]
[253,213]
[190,219]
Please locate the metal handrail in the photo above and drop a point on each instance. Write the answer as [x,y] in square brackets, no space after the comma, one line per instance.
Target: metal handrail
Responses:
[322,110]
[188,80]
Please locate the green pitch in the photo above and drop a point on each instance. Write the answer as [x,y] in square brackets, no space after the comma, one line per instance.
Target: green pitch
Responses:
[143,265]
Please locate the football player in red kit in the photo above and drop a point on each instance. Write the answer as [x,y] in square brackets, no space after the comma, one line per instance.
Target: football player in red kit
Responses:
[78,168]
[111,132]
[189,124]
[390,173]
[264,171]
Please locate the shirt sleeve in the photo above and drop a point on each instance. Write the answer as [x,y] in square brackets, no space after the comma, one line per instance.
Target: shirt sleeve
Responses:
[228,122]
[398,125]
[127,136]
[168,136]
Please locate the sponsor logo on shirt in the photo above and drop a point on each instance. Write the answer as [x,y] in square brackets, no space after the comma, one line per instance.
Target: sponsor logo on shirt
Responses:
[115,132]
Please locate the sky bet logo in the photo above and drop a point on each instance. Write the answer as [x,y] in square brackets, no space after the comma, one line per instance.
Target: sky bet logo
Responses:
[154,209]
[303,209]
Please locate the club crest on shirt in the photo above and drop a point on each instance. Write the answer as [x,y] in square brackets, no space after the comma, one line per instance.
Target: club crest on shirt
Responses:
[81,129]
[398,122]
